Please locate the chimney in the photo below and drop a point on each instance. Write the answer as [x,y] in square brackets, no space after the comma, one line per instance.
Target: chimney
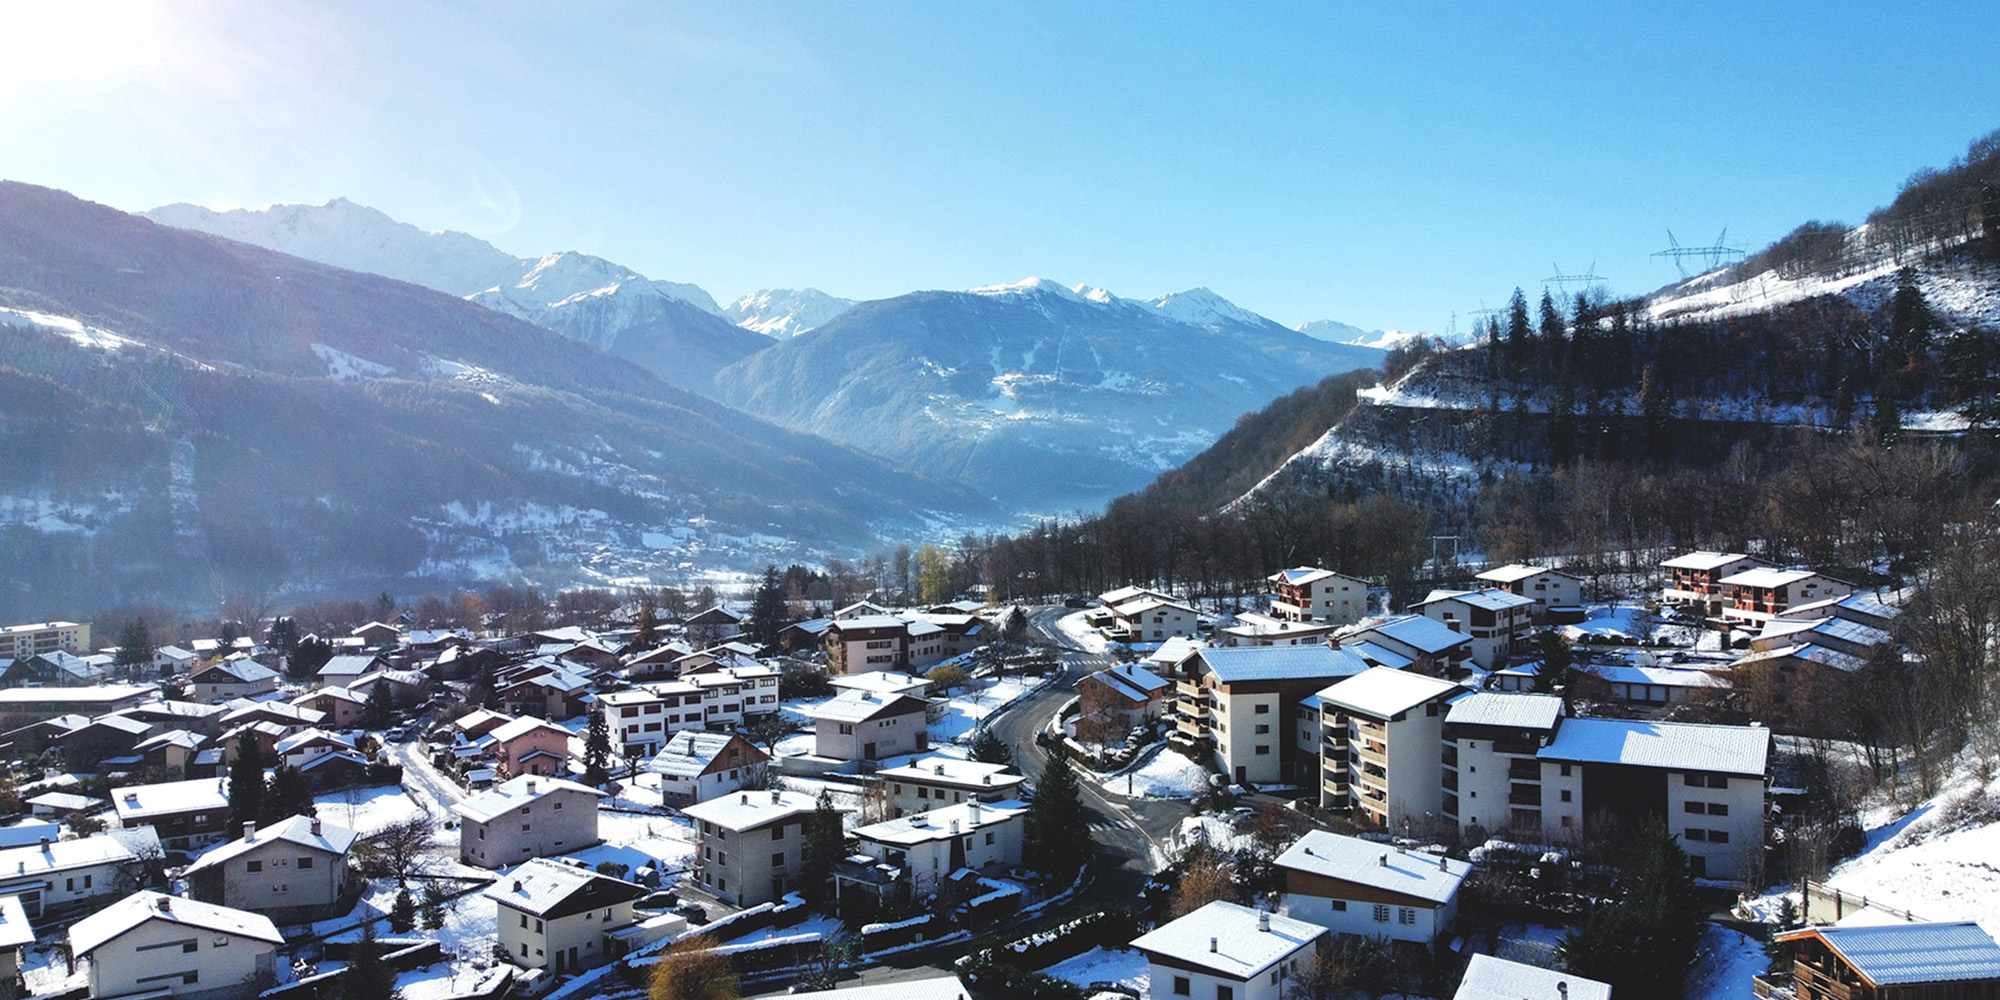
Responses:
[972,810]
[1308,850]
[531,786]
[1211,944]
[1562,989]
[954,828]
[939,768]
[45,845]
[166,904]
[517,885]
[777,797]
[746,798]
[985,779]
[1383,858]
[250,831]
[1264,921]
[1441,864]
[315,826]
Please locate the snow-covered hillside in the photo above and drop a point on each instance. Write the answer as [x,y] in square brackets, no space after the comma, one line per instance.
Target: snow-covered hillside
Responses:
[561,280]
[1959,290]
[785,312]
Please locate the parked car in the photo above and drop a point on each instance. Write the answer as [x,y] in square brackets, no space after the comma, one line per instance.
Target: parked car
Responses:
[1075,602]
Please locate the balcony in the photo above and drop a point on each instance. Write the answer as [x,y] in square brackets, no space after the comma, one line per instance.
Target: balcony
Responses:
[1451,781]
[1772,986]
[1524,770]
[1527,749]
[1374,753]
[1192,728]
[1524,795]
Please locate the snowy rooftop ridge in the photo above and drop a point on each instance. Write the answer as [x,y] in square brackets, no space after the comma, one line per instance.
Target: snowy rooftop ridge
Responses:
[1431,877]
[1228,938]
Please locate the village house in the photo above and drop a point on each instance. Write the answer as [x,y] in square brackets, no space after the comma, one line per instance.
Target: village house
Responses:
[1128,695]
[62,877]
[1497,621]
[52,669]
[561,918]
[1411,642]
[927,847]
[1252,629]
[931,782]
[158,945]
[340,707]
[61,804]
[15,934]
[717,624]
[184,814]
[884,682]
[1657,687]
[1759,595]
[1694,581]
[403,688]
[378,634]
[288,718]
[529,745]
[751,844]
[342,670]
[300,748]
[163,716]
[870,642]
[1380,752]
[1490,978]
[862,726]
[1548,588]
[20,707]
[169,661]
[1308,594]
[1239,702]
[1150,619]
[88,746]
[1366,889]
[552,693]
[173,751]
[643,718]
[1227,951]
[694,766]
[226,679]
[527,817]
[293,871]
[1914,961]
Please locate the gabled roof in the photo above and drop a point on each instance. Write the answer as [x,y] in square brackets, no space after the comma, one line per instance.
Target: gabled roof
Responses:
[867,622]
[1280,663]
[515,793]
[1677,746]
[749,810]
[1806,652]
[552,890]
[1430,877]
[129,726]
[1418,632]
[1379,655]
[1704,560]
[689,752]
[235,672]
[953,771]
[297,830]
[717,615]
[62,855]
[1140,607]
[114,921]
[172,737]
[330,691]
[1490,599]
[1904,954]
[242,709]
[1174,650]
[1242,951]
[14,929]
[937,824]
[860,706]
[1489,978]
[311,736]
[352,665]
[1299,576]
[1132,681]
[523,726]
[1383,693]
[1505,710]
[1658,676]
[1764,577]
[1515,572]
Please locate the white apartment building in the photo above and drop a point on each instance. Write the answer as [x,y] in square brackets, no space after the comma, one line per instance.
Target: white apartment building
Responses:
[1548,588]
[1497,621]
[1360,887]
[643,718]
[18,642]
[934,782]
[1492,764]
[1320,596]
[929,846]
[1694,581]
[1241,702]
[751,844]
[527,817]
[1381,749]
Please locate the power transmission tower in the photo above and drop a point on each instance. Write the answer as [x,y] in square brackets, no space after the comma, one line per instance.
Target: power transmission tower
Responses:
[1711,257]
[1564,282]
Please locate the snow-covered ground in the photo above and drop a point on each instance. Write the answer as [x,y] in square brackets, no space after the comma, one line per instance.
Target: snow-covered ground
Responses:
[1218,831]
[1080,634]
[1920,863]
[1169,775]
[1123,966]
[368,811]
[1724,964]
[967,706]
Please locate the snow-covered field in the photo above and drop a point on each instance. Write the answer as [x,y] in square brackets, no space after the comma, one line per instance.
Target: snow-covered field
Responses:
[1080,634]
[1917,863]
[1104,965]
[967,707]
[368,811]
[1168,775]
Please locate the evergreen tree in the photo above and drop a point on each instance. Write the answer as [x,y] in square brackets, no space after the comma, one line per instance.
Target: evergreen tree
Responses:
[135,650]
[379,710]
[597,750]
[289,794]
[1970,382]
[826,843]
[990,749]
[432,903]
[403,915]
[1553,348]
[1911,324]
[310,654]
[768,617]
[647,627]
[1656,406]
[1643,942]
[1517,332]
[246,784]
[1887,419]
[367,977]
[1014,627]
[284,636]
[1058,833]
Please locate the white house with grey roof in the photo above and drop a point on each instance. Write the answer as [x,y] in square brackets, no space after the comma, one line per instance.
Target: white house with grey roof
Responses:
[294,871]
[1490,978]
[693,766]
[931,782]
[527,817]
[563,918]
[1368,889]
[61,877]
[157,945]
[1548,588]
[751,844]
[864,726]
[928,846]
[1312,595]
[1227,951]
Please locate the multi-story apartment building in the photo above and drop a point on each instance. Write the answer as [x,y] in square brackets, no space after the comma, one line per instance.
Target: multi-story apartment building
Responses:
[732,696]
[1366,889]
[1496,620]
[1318,596]
[18,642]
[1694,581]
[1411,642]
[644,718]
[1759,595]
[1548,588]
[1381,752]
[867,642]
[1241,702]
[751,844]
[1492,766]
[527,817]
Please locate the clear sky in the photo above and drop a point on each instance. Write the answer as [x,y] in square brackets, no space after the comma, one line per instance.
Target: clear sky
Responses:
[1387,165]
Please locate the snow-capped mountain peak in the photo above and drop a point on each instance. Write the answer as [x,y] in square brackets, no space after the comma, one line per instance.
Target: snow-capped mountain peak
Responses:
[1203,308]
[785,312]
[1034,286]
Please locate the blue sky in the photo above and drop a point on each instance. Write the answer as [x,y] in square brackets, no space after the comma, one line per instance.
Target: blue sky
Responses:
[1385,167]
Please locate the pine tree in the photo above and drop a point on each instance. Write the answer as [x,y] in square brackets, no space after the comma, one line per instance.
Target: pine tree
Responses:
[403,915]
[597,750]
[768,617]
[1644,942]
[284,636]
[135,650]
[288,794]
[1517,332]
[246,784]
[431,904]
[307,657]
[990,749]
[826,843]
[1911,325]
[379,710]
[1887,419]
[1058,833]
[367,977]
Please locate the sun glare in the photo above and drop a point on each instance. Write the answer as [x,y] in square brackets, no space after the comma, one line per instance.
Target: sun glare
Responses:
[90,42]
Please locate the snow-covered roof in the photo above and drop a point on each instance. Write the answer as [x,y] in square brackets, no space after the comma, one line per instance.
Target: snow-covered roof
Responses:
[941,824]
[953,771]
[552,889]
[112,922]
[1132,680]
[1431,877]
[1516,572]
[62,855]
[1382,692]
[1379,655]
[522,726]
[1113,598]
[1238,664]
[243,708]
[352,665]
[1866,607]
[330,691]
[1301,575]
[1904,954]
[1174,650]
[478,717]
[748,810]
[329,838]
[1418,632]
[1506,710]
[1806,651]
[104,693]
[1765,577]
[63,801]
[14,929]
[934,988]
[1658,676]
[239,671]
[172,737]
[1678,746]
[515,793]
[688,753]
[1153,604]
[868,622]
[169,798]
[881,682]
[1241,950]
[306,737]
[1485,600]
[1489,978]
[1704,560]
[859,706]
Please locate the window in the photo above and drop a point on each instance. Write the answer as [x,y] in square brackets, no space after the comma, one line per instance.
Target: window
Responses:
[1406,915]
[1263,710]
[1714,809]
[253,866]
[1181,986]
[1263,750]
[538,926]
[777,859]
[1565,770]
[305,864]
[1339,905]
[1718,836]
[989,840]
[524,920]
[1691,833]
[1565,795]
[1381,913]
[778,832]
[1225,992]
[557,805]
[1262,728]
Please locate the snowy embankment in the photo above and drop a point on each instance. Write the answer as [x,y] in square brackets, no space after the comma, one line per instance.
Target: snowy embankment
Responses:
[1079,633]
[1169,775]
[1937,860]
[1123,966]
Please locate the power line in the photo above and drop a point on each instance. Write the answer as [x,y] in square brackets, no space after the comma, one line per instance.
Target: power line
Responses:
[1711,257]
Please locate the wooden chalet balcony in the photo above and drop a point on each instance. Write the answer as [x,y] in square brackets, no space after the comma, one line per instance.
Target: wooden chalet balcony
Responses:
[1374,753]
[1811,982]
[1192,728]
[1772,986]
[1188,689]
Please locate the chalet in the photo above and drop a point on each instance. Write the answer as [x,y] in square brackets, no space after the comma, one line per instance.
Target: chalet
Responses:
[157,945]
[1228,951]
[378,634]
[562,918]
[931,782]
[287,717]
[1367,889]
[184,814]
[1239,701]
[1308,594]
[62,804]
[1496,620]
[1548,588]
[1842,635]
[62,877]
[340,707]
[717,624]
[1129,694]
[1652,686]
[883,682]
[56,668]
[531,746]
[226,679]
[1917,961]
[861,726]
[477,723]
[527,817]
[872,642]
[550,694]
[171,660]
[1694,581]
[1759,595]
[162,716]
[1853,607]
[1151,620]
[294,871]
[301,747]
[694,766]
[752,844]
[403,688]
[339,769]
[1411,642]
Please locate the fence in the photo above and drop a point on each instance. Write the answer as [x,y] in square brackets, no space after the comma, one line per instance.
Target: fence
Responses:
[1825,904]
